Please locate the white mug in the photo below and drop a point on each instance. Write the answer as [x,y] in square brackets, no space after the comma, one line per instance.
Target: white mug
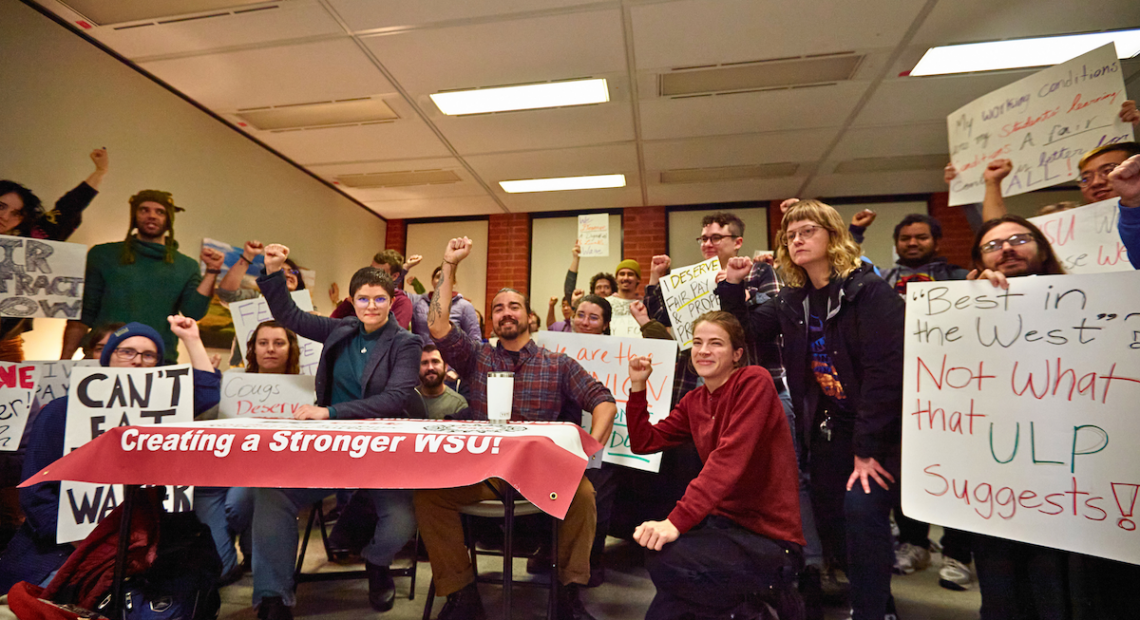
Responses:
[500,394]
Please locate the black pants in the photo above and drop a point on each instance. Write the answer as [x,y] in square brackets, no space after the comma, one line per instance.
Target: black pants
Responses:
[714,567]
[1020,581]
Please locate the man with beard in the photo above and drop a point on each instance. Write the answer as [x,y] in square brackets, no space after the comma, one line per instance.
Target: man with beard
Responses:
[628,275]
[439,400]
[547,386]
[916,242]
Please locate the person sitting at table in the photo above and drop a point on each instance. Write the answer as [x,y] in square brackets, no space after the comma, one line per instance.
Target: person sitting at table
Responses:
[546,384]
[736,532]
[368,369]
[33,555]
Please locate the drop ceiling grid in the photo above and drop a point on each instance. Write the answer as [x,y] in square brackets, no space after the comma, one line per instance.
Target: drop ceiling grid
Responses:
[967,21]
[582,161]
[362,15]
[737,150]
[913,139]
[436,207]
[926,99]
[407,138]
[734,191]
[876,184]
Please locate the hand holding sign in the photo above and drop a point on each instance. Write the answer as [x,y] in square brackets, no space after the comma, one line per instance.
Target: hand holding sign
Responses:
[275,255]
[311,412]
[1129,113]
[1125,180]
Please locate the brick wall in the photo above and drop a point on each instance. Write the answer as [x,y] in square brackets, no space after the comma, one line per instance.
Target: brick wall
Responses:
[643,236]
[957,237]
[396,237]
[508,256]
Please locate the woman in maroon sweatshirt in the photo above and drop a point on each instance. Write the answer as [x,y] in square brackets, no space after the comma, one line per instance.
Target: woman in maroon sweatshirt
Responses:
[736,531]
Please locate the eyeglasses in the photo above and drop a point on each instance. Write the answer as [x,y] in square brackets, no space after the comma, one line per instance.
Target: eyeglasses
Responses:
[804,233]
[364,302]
[1088,177]
[296,272]
[148,357]
[714,239]
[997,244]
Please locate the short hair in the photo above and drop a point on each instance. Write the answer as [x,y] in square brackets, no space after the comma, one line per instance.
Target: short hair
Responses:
[603,276]
[604,304]
[507,289]
[1049,263]
[842,251]
[428,348]
[1058,207]
[919,218]
[371,276]
[725,220]
[297,270]
[1129,148]
[33,207]
[292,363]
[537,319]
[97,334]
[392,258]
[729,324]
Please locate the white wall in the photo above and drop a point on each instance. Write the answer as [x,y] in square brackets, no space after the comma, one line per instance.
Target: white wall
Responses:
[430,239]
[685,227]
[63,97]
[552,240]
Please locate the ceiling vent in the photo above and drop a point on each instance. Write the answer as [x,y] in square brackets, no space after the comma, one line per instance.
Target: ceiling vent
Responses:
[728,173]
[405,178]
[106,13]
[901,163]
[319,114]
[759,75]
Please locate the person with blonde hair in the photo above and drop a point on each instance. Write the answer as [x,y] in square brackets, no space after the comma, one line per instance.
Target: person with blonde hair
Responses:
[842,329]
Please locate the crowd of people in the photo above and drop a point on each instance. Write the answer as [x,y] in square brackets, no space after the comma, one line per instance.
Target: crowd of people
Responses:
[781,456]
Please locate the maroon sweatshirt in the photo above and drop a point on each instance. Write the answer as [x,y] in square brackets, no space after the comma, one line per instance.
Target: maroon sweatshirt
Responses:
[742,435]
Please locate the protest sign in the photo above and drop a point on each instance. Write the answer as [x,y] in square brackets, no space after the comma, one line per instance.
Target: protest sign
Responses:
[248,395]
[250,313]
[40,278]
[1019,410]
[607,359]
[594,235]
[1085,239]
[104,398]
[17,389]
[1043,124]
[688,293]
[54,376]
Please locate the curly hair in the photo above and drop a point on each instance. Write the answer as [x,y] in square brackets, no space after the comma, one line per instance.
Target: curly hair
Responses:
[292,363]
[842,251]
[603,276]
[33,209]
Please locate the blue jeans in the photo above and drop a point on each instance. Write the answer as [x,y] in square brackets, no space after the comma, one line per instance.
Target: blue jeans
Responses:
[275,534]
[228,512]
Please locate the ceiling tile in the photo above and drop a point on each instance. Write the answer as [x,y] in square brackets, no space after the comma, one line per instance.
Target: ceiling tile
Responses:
[756,148]
[876,184]
[368,14]
[611,159]
[467,186]
[539,129]
[436,207]
[919,139]
[580,200]
[969,21]
[736,191]
[404,139]
[925,99]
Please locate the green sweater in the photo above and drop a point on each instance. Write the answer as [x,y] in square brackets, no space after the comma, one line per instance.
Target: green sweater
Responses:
[147,291]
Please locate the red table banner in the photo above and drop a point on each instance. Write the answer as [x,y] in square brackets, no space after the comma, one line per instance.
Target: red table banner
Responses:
[544,461]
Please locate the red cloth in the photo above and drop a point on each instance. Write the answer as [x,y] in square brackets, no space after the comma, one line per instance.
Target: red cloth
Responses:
[26,601]
[401,308]
[742,435]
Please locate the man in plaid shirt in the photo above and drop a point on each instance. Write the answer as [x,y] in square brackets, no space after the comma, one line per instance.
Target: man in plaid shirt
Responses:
[545,384]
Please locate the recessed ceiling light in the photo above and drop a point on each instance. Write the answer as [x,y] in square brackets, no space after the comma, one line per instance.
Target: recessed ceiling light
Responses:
[1019,53]
[601,181]
[528,97]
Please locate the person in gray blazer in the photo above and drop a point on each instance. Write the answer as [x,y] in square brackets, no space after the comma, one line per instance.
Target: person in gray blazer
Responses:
[369,368]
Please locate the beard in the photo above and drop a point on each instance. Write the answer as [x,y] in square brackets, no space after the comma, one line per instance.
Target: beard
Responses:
[431,379]
[508,329]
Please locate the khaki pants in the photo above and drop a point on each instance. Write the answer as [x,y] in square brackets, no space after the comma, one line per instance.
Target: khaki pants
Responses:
[437,512]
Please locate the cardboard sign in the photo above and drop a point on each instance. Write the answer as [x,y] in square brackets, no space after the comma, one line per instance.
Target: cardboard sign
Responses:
[104,398]
[607,359]
[54,377]
[1019,410]
[1044,124]
[251,313]
[17,390]
[1086,240]
[258,395]
[40,278]
[688,293]
[594,235]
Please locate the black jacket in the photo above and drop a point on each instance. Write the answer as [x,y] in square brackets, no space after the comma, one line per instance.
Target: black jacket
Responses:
[864,334]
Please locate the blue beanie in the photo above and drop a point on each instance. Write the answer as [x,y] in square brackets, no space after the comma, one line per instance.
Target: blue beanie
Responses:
[128,331]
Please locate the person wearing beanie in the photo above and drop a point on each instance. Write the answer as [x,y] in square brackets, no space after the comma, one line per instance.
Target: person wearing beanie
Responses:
[628,275]
[33,554]
[144,278]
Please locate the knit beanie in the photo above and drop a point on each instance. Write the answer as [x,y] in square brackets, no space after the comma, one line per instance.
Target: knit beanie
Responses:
[127,331]
[165,199]
[629,263]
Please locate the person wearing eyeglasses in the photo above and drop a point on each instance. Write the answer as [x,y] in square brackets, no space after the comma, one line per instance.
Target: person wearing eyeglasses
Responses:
[368,369]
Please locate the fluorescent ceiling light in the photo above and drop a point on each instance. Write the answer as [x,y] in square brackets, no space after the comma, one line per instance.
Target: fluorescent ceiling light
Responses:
[528,97]
[562,184]
[1018,53]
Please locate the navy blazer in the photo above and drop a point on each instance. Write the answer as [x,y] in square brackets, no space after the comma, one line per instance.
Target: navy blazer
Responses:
[393,369]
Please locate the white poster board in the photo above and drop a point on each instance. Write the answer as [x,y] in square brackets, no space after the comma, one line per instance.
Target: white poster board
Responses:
[594,235]
[40,278]
[263,395]
[688,293]
[249,314]
[1019,410]
[1085,239]
[607,359]
[17,389]
[54,378]
[1044,124]
[103,398]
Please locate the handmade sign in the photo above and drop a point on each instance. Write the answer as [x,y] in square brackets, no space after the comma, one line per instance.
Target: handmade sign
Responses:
[544,461]
[688,293]
[1085,240]
[607,359]
[594,235]
[256,395]
[250,313]
[1044,124]
[54,377]
[101,399]
[40,278]
[1019,410]
[17,389]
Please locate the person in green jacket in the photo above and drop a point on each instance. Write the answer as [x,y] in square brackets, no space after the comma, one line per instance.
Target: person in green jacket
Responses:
[144,278]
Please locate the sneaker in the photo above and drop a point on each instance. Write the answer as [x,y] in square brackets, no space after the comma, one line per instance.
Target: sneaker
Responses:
[274,608]
[570,606]
[463,605]
[910,558]
[954,575]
